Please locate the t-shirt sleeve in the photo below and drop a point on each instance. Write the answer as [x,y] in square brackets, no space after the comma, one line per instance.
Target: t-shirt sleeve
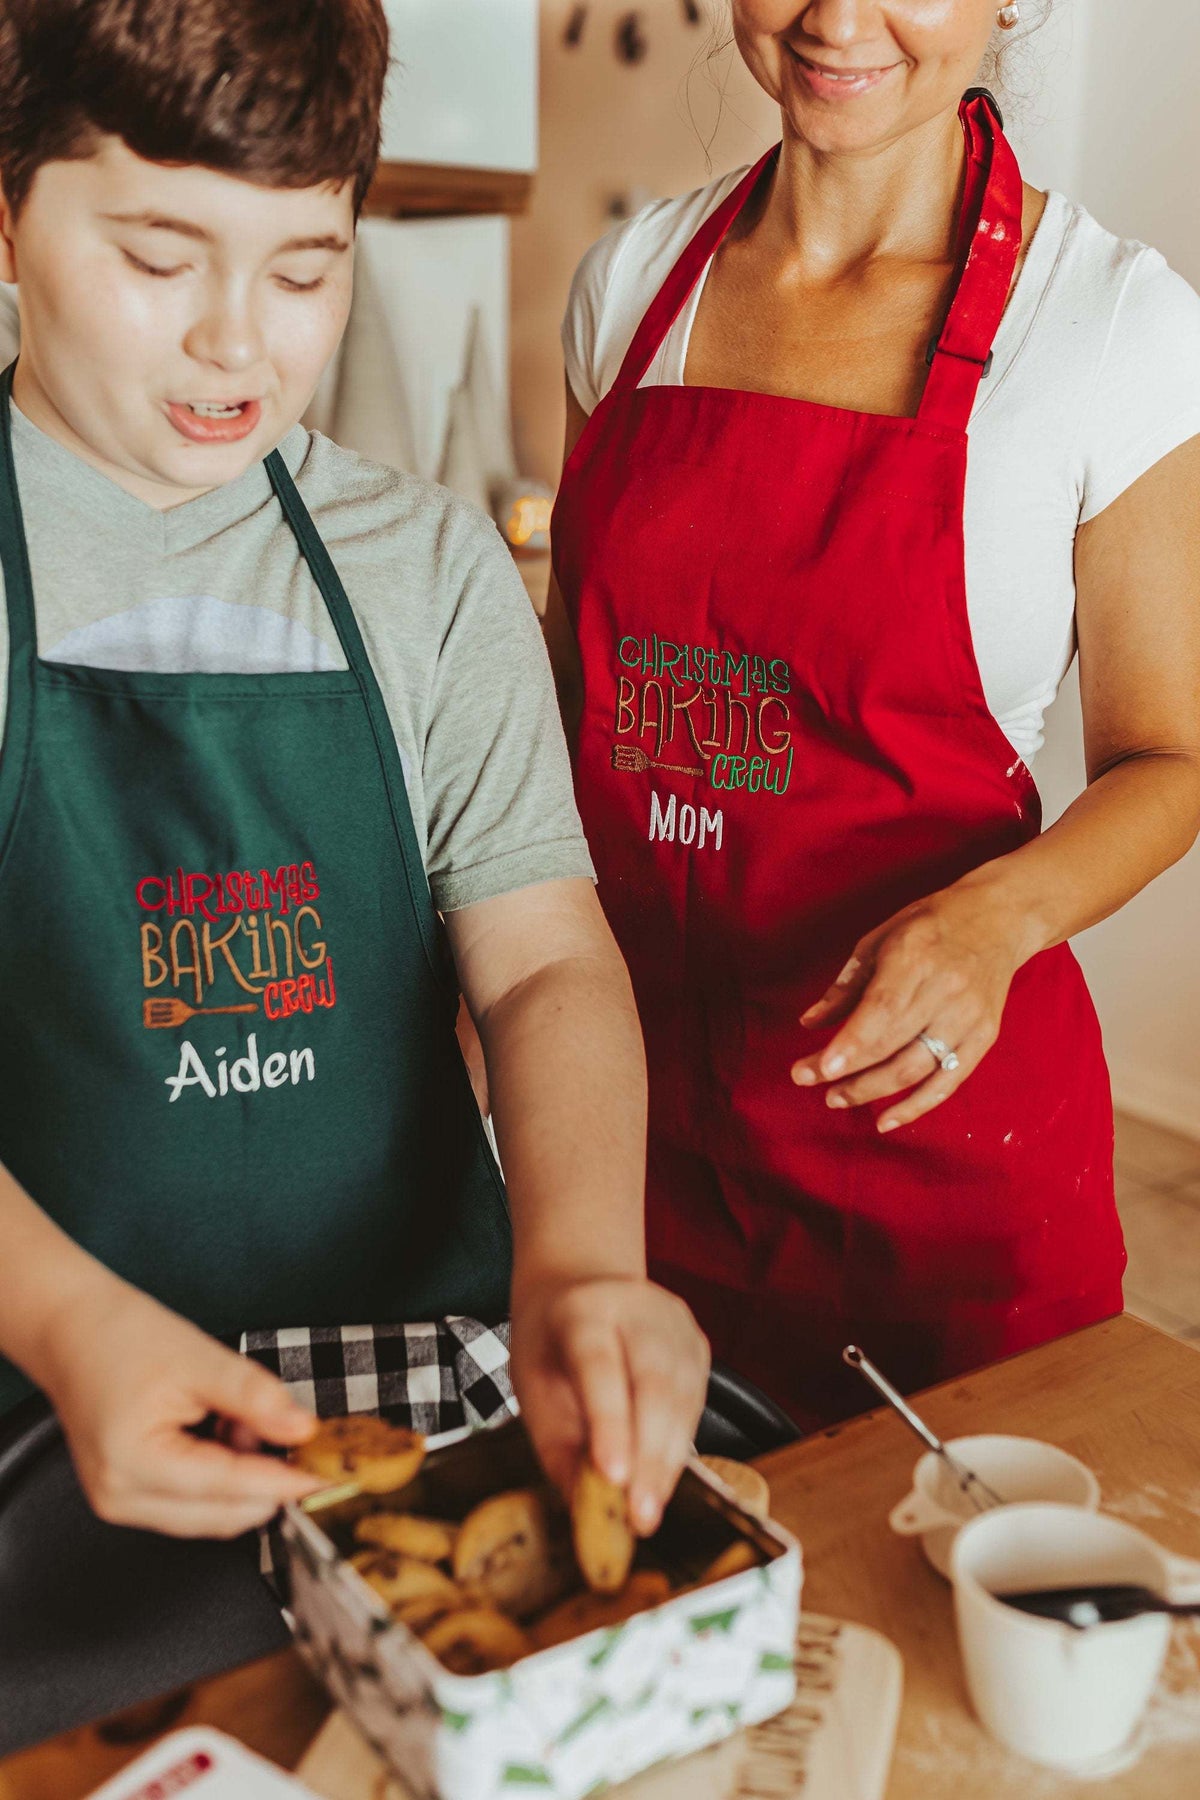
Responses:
[1146,398]
[500,806]
[581,326]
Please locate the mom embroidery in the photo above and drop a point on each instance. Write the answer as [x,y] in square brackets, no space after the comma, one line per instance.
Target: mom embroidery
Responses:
[686,825]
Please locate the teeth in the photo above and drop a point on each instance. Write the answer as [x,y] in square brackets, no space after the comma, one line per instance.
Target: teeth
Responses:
[209,409]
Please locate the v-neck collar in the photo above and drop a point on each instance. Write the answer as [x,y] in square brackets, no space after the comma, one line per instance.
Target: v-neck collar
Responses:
[103,505]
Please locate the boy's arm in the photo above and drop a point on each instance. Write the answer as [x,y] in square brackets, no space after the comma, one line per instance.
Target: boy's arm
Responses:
[602,1358]
[561,645]
[128,1377]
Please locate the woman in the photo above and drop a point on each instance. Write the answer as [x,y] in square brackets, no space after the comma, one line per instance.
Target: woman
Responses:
[879,1104]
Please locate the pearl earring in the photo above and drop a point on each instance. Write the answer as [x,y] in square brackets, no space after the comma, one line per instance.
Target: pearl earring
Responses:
[1009,17]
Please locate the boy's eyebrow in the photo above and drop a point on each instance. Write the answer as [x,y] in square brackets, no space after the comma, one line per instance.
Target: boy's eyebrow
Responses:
[186,228]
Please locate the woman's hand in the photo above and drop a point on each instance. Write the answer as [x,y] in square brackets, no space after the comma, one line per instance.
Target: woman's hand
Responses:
[617,1369]
[128,1377]
[942,966]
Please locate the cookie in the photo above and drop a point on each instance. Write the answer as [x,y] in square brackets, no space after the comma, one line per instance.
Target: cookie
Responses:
[604,1541]
[733,1560]
[429,1540]
[427,1609]
[513,1552]
[400,1579]
[364,1449]
[749,1487]
[475,1640]
[591,1612]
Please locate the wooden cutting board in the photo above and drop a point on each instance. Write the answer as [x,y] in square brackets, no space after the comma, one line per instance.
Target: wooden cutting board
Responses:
[833,1743]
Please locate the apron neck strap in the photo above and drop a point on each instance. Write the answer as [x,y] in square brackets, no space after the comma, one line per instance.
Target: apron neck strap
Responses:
[671,298]
[320,565]
[14,553]
[22,628]
[329,582]
[989,244]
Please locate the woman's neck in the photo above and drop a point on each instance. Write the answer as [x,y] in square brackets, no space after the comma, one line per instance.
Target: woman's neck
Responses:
[827,213]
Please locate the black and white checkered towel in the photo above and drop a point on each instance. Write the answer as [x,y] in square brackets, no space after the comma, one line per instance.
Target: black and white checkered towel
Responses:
[432,1378]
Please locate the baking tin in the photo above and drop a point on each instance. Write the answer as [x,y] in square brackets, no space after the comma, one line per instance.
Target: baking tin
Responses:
[580,1716]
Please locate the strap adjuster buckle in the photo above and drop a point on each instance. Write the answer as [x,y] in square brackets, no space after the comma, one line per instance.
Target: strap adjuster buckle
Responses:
[932,349]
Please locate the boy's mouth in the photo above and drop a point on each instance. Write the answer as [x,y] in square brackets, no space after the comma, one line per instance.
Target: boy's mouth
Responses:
[214,421]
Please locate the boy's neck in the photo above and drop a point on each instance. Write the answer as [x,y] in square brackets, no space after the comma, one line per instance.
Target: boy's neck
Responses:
[30,397]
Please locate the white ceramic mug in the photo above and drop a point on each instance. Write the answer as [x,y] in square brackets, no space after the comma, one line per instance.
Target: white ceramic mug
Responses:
[1058,1695]
[1018,1469]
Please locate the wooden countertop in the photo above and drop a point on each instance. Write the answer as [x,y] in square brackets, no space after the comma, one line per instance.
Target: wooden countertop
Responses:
[1121,1396]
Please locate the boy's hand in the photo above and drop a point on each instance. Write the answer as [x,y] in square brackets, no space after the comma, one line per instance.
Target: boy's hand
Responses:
[614,1368]
[127,1377]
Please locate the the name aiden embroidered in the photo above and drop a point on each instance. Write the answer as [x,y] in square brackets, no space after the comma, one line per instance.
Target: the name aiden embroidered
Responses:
[243,1076]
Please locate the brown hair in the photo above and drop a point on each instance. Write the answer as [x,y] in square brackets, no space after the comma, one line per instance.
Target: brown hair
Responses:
[286,93]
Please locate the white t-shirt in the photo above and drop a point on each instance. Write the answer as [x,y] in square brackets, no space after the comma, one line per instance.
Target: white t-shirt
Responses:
[1096,376]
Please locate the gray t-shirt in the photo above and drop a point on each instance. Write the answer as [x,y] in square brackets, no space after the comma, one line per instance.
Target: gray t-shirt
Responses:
[218,585]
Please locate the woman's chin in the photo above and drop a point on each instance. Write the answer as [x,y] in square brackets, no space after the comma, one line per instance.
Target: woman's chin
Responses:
[843,134]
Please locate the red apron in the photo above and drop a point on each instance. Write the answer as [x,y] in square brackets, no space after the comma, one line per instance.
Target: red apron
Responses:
[784,741]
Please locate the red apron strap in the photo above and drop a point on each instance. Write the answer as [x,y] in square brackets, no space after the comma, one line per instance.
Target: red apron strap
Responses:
[669,302]
[990,241]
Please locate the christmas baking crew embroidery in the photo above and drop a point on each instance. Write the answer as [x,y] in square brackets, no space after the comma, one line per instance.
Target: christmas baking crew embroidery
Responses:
[694,709]
[246,941]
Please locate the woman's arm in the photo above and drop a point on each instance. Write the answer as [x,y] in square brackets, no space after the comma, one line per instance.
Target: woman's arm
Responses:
[945,964]
[560,639]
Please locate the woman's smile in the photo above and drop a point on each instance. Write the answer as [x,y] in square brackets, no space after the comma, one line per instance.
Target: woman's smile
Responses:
[827,81]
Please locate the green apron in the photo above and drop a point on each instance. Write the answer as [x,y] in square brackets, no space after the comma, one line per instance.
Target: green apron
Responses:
[227,1056]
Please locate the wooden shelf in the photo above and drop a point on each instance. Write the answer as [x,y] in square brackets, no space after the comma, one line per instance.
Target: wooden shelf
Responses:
[430,191]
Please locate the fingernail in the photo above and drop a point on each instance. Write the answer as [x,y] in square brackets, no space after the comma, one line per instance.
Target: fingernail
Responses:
[888,1124]
[836,1100]
[645,1512]
[803,1076]
[833,1065]
[617,1470]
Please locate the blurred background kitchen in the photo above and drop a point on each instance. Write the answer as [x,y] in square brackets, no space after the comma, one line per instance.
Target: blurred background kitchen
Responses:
[517,132]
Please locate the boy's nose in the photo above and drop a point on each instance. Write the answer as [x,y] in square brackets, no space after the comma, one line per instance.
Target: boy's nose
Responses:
[227,335]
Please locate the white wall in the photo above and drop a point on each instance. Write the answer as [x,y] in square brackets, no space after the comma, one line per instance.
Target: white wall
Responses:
[1116,125]
[463,86]
[614,133]
[462,90]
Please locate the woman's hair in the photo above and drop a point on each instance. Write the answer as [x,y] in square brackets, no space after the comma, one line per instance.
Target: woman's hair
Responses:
[285,93]
[1007,66]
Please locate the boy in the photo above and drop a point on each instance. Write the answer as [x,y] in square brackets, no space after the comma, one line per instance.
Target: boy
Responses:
[230,1091]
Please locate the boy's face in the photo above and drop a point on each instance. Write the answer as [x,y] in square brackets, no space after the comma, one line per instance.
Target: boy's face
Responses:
[174,321]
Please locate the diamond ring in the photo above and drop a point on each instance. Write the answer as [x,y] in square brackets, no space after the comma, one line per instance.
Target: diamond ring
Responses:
[940,1052]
